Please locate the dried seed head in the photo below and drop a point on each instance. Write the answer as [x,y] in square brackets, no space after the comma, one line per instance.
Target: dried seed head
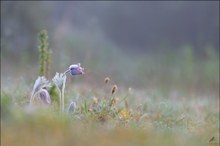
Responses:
[114,101]
[95,100]
[107,79]
[114,88]
[90,110]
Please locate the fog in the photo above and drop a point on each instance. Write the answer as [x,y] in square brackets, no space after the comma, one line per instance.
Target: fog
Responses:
[126,40]
[133,26]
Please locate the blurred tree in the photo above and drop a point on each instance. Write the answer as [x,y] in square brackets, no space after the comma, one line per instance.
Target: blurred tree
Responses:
[150,24]
[139,26]
[21,21]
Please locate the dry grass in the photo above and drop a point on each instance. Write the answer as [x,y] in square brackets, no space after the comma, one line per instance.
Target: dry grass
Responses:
[136,119]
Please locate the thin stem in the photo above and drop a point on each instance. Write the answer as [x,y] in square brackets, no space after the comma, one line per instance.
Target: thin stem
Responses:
[60,102]
[32,97]
[62,94]
[123,99]
[63,89]
[66,72]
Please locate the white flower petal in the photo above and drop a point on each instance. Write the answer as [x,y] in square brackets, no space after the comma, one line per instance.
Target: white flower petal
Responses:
[39,84]
[59,80]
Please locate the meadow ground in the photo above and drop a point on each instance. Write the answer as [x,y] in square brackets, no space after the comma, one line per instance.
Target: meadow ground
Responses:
[128,117]
[166,72]
[173,100]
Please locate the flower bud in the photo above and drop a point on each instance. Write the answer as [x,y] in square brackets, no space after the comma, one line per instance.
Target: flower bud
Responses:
[76,69]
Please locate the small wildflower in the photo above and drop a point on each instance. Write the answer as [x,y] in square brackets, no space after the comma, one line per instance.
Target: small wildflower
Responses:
[124,114]
[75,69]
[107,79]
[72,107]
[44,96]
[114,88]
[39,84]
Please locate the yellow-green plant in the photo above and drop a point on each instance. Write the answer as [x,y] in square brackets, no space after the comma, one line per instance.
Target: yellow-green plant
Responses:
[48,62]
[45,60]
[45,54]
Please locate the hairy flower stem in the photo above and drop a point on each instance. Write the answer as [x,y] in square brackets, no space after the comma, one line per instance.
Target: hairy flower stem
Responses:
[31,100]
[61,102]
[62,94]
[66,72]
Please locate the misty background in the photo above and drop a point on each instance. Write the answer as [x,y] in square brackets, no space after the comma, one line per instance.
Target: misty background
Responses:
[142,44]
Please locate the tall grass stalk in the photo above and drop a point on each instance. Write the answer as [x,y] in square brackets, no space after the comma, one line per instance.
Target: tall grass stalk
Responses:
[45,54]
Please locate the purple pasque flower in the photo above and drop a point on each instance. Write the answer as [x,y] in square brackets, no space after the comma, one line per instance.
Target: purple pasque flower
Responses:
[75,69]
[40,85]
[45,96]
